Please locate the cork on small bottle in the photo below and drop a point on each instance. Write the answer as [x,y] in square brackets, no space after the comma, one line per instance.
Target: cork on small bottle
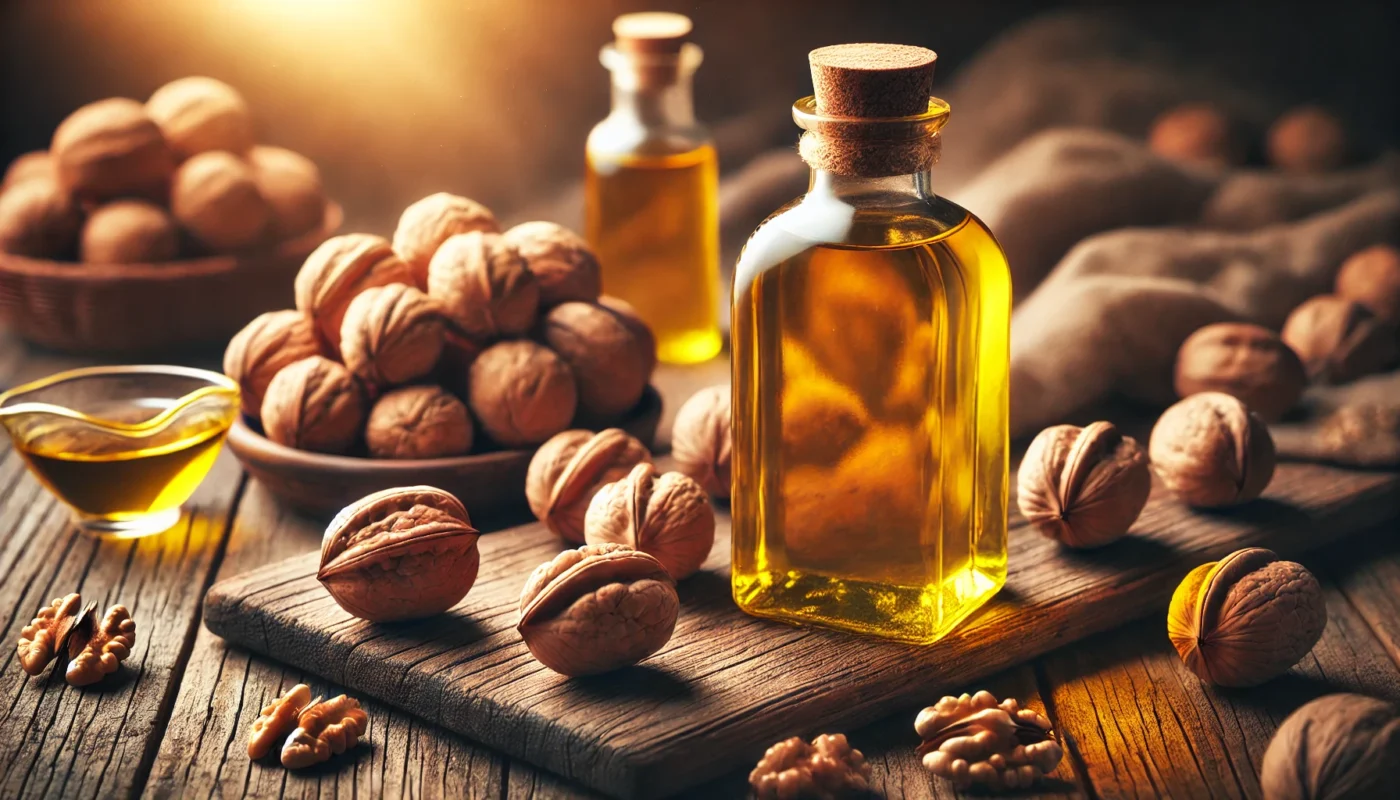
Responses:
[651,32]
[875,82]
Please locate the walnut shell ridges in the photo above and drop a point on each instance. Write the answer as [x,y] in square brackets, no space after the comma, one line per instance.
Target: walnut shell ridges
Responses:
[667,516]
[270,342]
[391,335]
[565,265]
[1245,361]
[521,393]
[418,422]
[314,404]
[608,360]
[569,469]
[1083,487]
[483,286]
[701,441]
[1339,340]
[1211,451]
[199,114]
[112,148]
[1247,618]
[426,224]
[338,270]
[1337,746]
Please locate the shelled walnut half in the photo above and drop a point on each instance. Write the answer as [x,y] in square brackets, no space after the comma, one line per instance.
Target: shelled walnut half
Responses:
[277,720]
[597,609]
[96,649]
[825,769]
[974,740]
[569,469]
[402,553]
[325,728]
[47,634]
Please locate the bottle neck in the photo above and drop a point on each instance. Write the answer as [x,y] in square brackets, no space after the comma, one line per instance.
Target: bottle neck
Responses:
[886,191]
[667,104]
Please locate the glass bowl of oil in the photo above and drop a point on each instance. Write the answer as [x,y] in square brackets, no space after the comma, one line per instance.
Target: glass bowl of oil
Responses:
[124,447]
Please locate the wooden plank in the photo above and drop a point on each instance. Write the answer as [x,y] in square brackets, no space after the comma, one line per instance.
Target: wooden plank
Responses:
[728,685]
[204,752]
[1141,725]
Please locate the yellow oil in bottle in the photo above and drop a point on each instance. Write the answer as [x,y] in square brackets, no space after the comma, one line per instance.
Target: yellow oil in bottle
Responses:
[653,221]
[870,351]
[107,479]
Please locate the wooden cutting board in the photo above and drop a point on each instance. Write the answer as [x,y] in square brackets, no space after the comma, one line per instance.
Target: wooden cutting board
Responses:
[728,684]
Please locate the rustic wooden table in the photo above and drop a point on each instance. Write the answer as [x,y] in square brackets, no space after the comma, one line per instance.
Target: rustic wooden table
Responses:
[1135,722]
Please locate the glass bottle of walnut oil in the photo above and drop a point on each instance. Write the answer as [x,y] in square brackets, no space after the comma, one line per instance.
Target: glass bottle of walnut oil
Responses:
[870,334]
[652,188]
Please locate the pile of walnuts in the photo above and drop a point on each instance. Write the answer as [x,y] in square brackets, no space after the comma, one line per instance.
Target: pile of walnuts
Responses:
[453,337]
[180,176]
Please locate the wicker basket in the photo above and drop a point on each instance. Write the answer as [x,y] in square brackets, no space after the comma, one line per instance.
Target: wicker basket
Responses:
[142,309]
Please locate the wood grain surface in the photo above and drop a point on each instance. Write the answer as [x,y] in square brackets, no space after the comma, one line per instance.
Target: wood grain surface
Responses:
[727,684]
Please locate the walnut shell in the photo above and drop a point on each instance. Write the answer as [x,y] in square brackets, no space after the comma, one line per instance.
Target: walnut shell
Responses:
[1083,487]
[216,199]
[34,164]
[1211,451]
[1338,746]
[1339,340]
[264,346]
[521,393]
[634,321]
[112,148]
[291,185]
[1244,361]
[391,335]
[701,442]
[597,609]
[455,365]
[337,271]
[1307,139]
[426,224]
[402,553]
[974,740]
[418,422]
[827,768]
[129,232]
[314,404]
[563,262]
[569,469]
[1195,133]
[665,515]
[607,358]
[38,220]
[1246,618]
[1371,277]
[483,286]
[199,114]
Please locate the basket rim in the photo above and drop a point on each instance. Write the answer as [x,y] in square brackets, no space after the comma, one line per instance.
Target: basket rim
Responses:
[78,272]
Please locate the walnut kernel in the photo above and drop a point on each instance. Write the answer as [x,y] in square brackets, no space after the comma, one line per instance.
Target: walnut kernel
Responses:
[973,739]
[826,769]
[418,422]
[700,439]
[1246,618]
[47,633]
[129,232]
[569,469]
[314,404]
[324,728]
[216,199]
[561,260]
[521,393]
[667,516]
[277,720]
[199,114]
[1211,451]
[96,649]
[1083,487]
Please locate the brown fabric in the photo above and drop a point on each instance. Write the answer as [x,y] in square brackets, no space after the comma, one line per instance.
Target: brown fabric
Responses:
[1356,425]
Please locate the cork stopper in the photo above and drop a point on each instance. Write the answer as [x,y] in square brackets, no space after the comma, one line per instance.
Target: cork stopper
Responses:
[872,80]
[651,32]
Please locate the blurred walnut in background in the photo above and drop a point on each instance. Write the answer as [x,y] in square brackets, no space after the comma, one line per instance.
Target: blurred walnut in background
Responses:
[112,148]
[129,232]
[216,199]
[38,220]
[199,114]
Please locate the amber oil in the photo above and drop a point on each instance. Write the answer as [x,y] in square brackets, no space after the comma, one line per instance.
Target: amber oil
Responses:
[870,347]
[653,221]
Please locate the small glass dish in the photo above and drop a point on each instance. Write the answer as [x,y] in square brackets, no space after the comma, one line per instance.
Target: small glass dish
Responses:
[124,447]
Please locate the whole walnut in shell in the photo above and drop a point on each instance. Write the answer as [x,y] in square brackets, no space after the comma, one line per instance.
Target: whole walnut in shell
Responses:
[454,367]
[129,232]
[1246,618]
[1211,451]
[634,321]
[1307,139]
[426,224]
[1339,340]
[665,515]
[973,739]
[391,335]
[521,393]
[1371,277]
[418,422]
[337,271]
[112,148]
[563,262]
[314,404]
[827,768]
[607,358]
[216,199]
[403,553]
[597,609]
[264,346]
[1197,133]
[1337,746]
[199,114]
[569,469]
[701,442]
[1083,487]
[1245,361]
[291,185]
[483,286]
[34,164]
[38,220]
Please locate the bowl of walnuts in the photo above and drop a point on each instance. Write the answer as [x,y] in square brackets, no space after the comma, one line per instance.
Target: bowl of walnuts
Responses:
[442,357]
[154,227]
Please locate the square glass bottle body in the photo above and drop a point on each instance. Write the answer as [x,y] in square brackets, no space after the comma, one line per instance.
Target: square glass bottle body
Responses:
[870,339]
